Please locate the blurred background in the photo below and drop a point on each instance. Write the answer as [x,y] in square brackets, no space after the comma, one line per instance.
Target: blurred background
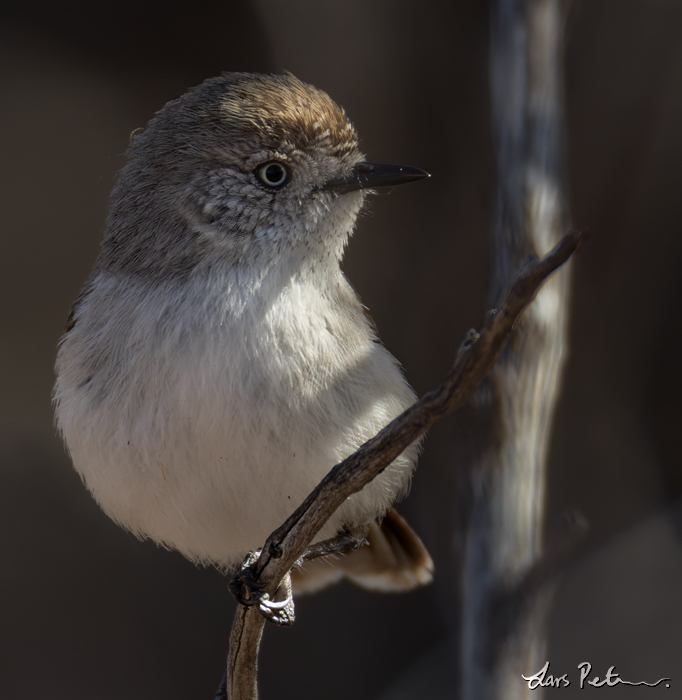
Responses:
[90,613]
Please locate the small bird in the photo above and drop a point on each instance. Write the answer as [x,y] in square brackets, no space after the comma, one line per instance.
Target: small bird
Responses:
[217,363]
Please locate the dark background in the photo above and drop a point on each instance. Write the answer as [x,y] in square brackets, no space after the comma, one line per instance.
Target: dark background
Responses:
[89,613]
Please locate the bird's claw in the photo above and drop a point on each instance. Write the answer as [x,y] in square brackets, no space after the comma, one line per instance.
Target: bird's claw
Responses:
[248,591]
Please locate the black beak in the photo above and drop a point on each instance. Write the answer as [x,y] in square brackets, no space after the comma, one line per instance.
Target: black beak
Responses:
[367,176]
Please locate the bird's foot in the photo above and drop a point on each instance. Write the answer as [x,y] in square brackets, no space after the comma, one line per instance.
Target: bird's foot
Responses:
[248,591]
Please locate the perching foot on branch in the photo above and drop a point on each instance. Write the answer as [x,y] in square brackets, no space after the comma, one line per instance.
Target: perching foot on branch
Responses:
[248,591]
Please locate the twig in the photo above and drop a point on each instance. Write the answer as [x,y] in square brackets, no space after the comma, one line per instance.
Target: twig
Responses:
[241,678]
[475,358]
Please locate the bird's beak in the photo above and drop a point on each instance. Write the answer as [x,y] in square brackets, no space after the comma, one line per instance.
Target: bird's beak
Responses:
[368,176]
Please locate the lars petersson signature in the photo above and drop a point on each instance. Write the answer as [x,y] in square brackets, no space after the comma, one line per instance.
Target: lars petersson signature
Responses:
[544,679]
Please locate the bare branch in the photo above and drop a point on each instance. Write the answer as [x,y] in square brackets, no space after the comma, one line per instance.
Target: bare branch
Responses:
[475,358]
[241,678]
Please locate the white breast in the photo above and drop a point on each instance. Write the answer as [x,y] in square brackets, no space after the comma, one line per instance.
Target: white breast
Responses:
[206,434]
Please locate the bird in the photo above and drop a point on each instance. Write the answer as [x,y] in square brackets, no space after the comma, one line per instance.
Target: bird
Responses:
[217,363]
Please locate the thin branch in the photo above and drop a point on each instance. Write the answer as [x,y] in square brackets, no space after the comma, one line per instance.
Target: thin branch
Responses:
[241,678]
[475,358]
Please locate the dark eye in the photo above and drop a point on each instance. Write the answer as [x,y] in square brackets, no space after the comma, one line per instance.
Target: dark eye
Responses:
[274,174]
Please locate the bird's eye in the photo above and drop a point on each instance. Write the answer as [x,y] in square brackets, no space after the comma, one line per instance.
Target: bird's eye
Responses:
[274,174]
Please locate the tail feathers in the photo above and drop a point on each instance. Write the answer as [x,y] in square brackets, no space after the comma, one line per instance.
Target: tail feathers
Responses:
[395,560]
